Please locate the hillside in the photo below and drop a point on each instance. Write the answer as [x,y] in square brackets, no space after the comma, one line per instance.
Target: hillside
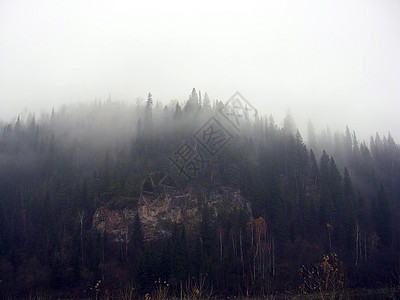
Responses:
[200,191]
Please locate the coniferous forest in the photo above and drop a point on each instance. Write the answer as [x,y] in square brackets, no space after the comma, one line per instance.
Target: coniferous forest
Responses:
[314,218]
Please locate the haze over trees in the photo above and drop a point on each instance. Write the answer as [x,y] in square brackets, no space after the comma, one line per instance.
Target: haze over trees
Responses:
[335,196]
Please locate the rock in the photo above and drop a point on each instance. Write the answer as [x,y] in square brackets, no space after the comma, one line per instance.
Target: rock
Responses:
[115,222]
[158,213]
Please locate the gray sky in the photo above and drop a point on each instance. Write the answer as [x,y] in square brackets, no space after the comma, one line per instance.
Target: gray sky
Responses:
[336,62]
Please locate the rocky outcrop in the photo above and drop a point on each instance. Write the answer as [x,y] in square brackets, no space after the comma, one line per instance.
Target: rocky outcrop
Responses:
[115,222]
[158,213]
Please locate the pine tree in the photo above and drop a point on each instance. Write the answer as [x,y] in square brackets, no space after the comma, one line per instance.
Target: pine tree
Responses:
[382,216]
[192,105]
[206,102]
[350,207]
[289,127]
[178,111]
[311,137]
[149,108]
[179,253]
[325,206]
[145,273]
[137,238]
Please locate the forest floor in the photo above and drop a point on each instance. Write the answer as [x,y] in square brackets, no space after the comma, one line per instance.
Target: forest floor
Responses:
[365,294]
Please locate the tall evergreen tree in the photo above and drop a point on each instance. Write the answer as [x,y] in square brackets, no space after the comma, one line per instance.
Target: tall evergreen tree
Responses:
[178,111]
[206,102]
[382,216]
[149,108]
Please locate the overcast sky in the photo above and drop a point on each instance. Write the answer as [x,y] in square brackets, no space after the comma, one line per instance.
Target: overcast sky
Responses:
[336,62]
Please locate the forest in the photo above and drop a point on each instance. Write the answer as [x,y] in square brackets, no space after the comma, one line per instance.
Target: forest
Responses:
[321,214]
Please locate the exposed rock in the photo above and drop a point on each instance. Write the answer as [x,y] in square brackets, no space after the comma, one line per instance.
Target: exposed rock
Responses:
[158,213]
[115,222]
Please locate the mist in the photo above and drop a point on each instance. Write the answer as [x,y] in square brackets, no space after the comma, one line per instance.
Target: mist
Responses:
[209,149]
[104,185]
[334,63]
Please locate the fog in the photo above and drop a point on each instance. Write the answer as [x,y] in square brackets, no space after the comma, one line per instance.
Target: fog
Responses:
[336,63]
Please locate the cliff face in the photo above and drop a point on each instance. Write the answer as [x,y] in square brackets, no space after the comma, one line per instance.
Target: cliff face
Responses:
[158,213]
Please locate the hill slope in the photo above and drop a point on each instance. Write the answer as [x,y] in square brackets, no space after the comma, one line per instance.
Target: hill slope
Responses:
[59,173]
